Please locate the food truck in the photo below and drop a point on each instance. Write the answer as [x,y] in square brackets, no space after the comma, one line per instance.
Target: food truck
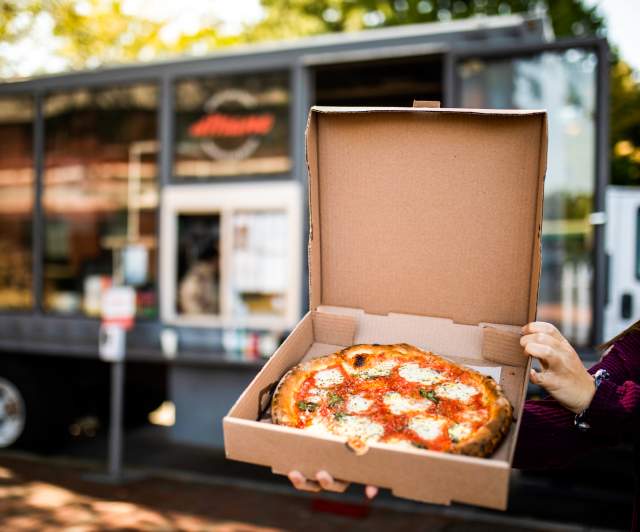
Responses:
[186,180]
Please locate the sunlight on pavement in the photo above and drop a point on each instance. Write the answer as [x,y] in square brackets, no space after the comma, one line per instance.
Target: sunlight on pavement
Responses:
[41,495]
[5,474]
[41,506]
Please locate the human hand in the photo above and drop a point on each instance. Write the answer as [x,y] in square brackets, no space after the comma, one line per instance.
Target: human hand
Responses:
[324,481]
[563,375]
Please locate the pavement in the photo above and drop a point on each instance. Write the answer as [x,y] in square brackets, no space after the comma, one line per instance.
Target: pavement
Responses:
[188,488]
[48,495]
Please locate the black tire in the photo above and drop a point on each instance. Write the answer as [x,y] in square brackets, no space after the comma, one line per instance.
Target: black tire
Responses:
[46,406]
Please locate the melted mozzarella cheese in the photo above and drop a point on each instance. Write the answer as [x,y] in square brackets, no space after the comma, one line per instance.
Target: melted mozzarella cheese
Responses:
[402,443]
[381,369]
[460,431]
[399,404]
[412,372]
[328,378]
[359,427]
[457,391]
[358,403]
[473,415]
[315,395]
[318,426]
[427,428]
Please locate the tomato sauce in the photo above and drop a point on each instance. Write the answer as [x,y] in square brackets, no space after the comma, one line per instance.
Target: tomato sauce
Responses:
[332,403]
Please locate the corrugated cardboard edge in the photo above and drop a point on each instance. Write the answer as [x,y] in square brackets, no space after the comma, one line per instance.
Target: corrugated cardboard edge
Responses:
[537,252]
[432,104]
[446,110]
[313,248]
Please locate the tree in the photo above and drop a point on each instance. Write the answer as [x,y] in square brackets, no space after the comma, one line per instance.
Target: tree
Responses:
[92,33]
[625,126]
[287,17]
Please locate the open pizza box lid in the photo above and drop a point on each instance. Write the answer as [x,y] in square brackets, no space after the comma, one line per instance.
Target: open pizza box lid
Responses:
[424,228]
[433,212]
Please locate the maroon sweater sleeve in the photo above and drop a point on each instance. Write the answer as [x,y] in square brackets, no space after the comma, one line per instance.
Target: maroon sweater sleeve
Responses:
[547,435]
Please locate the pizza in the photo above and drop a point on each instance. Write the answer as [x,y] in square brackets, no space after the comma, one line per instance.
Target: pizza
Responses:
[394,394]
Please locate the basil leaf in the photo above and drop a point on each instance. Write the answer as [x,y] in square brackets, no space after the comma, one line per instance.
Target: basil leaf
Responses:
[306,407]
[429,394]
[335,399]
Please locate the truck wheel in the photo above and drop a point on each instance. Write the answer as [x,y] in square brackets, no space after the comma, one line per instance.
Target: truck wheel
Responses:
[12,413]
[34,414]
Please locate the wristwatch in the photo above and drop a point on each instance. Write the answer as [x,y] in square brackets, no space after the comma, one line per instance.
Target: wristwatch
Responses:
[580,419]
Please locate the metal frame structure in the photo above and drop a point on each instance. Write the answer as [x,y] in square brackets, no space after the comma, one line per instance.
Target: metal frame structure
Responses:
[498,36]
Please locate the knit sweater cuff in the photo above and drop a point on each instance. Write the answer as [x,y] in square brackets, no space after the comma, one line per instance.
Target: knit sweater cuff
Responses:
[605,408]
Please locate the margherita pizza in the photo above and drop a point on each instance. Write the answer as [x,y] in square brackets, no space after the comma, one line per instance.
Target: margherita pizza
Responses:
[395,394]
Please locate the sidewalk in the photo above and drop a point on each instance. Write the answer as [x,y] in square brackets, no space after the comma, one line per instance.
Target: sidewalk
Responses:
[45,495]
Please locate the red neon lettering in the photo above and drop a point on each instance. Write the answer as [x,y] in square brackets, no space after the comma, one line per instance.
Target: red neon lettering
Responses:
[222,125]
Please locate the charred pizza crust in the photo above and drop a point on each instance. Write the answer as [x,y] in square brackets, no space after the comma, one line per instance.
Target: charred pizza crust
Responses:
[361,358]
[283,404]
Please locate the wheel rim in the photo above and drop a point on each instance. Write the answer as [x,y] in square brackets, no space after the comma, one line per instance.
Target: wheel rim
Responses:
[12,413]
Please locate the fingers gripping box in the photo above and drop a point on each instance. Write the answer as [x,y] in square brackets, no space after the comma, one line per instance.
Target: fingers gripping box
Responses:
[425,229]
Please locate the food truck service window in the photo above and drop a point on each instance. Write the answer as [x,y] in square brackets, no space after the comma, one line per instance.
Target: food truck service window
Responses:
[16,201]
[231,255]
[100,196]
[232,125]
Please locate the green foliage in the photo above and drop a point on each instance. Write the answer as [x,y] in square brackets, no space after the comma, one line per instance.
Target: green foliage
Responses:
[92,33]
[625,126]
[286,18]
[13,26]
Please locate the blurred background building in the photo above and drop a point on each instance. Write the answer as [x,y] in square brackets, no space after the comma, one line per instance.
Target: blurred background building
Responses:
[185,178]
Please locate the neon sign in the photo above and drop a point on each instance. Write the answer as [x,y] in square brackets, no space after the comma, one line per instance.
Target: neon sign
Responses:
[218,124]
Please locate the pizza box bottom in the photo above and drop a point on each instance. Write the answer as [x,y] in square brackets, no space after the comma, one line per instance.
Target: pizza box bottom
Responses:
[421,475]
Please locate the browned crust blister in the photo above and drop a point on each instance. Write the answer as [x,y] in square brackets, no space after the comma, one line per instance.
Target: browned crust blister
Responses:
[481,444]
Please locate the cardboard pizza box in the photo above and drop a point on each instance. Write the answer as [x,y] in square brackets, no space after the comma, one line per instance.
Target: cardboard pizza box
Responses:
[425,229]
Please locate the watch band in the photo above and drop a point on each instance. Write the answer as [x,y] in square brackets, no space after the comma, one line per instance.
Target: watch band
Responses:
[580,420]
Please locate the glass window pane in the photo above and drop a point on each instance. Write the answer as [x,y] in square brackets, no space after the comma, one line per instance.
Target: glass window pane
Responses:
[564,83]
[232,125]
[198,264]
[16,201]
[260,263]
[100,196]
